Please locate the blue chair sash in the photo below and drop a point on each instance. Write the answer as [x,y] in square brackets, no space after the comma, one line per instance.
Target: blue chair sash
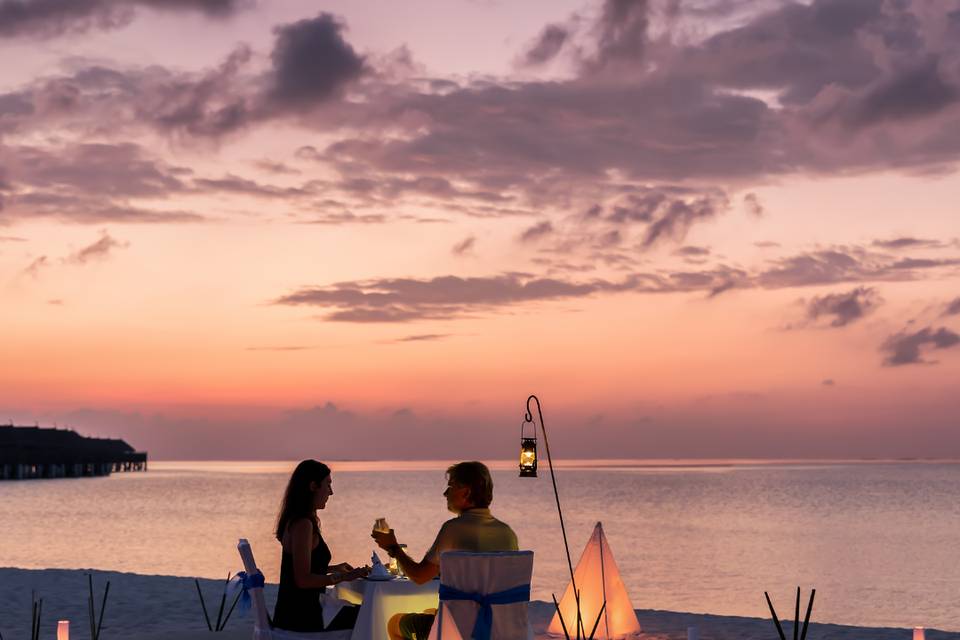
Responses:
[484,624]
[244,581]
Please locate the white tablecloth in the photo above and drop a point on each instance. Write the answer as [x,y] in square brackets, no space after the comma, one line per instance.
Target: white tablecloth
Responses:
[379,601]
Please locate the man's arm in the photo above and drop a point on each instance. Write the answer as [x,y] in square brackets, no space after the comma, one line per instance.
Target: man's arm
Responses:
[419,572]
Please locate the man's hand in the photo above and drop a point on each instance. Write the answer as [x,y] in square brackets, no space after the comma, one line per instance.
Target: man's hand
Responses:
[385,541]
[343,567]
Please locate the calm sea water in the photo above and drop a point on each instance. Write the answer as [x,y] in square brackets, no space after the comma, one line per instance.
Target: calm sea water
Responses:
[879,541]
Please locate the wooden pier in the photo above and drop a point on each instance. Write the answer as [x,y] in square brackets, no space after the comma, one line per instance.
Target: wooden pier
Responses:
[33,452]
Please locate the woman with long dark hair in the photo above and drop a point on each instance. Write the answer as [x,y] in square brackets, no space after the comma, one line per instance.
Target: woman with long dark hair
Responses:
[305,569]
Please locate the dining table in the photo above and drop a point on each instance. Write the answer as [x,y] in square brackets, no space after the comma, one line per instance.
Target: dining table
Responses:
[380,600]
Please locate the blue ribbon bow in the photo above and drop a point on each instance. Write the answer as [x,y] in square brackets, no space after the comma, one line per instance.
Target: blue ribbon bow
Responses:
[245,581]
[484,624]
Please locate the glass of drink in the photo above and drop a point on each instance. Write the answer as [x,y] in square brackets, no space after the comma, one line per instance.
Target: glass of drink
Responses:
[381,525]
[395,567]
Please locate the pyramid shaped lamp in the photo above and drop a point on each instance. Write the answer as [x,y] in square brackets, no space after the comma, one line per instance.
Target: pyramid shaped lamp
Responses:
[598,579]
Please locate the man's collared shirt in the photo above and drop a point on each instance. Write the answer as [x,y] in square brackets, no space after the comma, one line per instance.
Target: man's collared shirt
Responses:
[472,530]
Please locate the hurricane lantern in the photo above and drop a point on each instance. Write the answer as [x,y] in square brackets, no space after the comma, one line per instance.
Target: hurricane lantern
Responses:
[528,452]
[63,630]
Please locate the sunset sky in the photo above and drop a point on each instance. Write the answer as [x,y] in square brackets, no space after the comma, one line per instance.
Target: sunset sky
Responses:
[360,229]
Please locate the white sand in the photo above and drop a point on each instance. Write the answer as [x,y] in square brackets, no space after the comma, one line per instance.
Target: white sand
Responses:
[153,607]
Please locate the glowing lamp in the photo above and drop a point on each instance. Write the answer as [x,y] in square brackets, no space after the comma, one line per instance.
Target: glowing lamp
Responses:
[918,633]
[63,630]
[528,457]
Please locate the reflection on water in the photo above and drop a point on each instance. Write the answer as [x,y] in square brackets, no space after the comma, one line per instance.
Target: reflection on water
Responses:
[877,540]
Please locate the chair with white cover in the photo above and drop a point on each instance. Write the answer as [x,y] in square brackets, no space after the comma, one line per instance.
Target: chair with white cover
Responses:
[473,582]
[262,630]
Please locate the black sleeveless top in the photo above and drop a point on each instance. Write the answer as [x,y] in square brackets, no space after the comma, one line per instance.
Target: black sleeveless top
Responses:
[299,609]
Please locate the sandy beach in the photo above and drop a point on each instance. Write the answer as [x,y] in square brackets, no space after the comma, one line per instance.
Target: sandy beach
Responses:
[145,607]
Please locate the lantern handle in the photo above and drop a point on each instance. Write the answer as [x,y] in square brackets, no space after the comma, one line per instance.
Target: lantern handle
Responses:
[523,426]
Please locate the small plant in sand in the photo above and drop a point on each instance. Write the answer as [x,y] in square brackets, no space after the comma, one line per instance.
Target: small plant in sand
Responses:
[221,619]
[581,631]
[95,624]
[796,619]
[37,609]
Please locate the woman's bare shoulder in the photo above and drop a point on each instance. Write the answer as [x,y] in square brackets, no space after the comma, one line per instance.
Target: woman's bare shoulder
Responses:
[300,525]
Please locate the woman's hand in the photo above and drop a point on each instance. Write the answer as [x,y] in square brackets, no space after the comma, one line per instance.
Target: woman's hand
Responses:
[359,572]
[351,574]
[343,567]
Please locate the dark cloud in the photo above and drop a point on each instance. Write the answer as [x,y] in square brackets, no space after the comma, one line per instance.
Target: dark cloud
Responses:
[609,239]
[919,91]
[953,308]
[621,36]
[752,203]
[209,104]
[464,247]
[386,189]
[445,297]
[663,213]
[33,269]
[346,217]
[844,308]
[90,182]
[209,7]
[244,186]
[675,220]
[95,210]
[552,143]
[842,264]
[796,50]
[818,61]
[114,170]
[48,18]
[279,168]
[905,348]
[96,251]
[548,44]
[828,382]
[766,244]
[907,242]
[828,87]
[923,263]
[312,62]
[425,337]
[12,239]
[537,231]
[691,251]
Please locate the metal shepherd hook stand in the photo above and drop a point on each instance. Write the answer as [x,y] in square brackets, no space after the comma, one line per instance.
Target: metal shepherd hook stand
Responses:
[529,470]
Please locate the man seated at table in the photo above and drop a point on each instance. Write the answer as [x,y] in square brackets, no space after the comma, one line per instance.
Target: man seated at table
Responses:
[469,493]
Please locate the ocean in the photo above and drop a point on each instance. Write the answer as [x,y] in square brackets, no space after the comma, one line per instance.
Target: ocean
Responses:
[880,541]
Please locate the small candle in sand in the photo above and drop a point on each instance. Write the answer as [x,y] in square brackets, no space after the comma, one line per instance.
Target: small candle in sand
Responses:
[63,630]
